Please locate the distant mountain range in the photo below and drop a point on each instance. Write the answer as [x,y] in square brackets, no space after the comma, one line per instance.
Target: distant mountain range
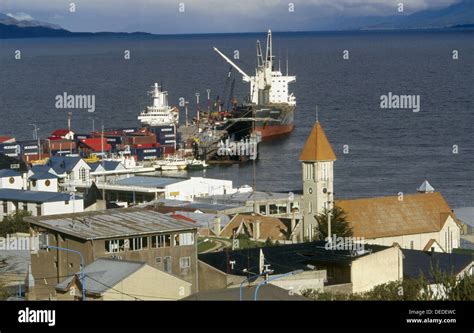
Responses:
[13,28]
[458,15]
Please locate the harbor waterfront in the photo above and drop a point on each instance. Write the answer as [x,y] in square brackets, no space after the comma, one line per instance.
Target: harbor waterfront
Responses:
[410,146]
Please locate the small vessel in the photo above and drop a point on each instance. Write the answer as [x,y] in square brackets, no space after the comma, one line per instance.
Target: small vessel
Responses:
[171,164]
[195,164]
[159,113]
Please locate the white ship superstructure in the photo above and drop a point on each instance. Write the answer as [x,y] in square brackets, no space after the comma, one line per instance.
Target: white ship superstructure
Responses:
[268,85]
[159,113]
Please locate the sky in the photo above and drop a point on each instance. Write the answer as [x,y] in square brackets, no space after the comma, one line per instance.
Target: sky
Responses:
[209,16]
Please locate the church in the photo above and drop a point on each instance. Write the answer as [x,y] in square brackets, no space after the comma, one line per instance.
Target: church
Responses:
[420,221]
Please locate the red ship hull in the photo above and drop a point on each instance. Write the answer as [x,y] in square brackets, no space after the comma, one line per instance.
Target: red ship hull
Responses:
[271,131]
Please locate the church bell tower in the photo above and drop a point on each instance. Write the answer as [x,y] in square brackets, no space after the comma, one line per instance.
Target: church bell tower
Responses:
[317,159]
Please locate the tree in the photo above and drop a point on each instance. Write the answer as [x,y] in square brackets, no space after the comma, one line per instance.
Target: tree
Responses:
[339,224]
[14,223]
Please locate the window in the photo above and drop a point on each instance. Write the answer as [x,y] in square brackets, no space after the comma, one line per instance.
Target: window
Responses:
[158,260]
[161,241]
[167,263]
[282,209]
[310,207]
[184,262]
[46,183]
[43,241]
[33,183]
[138,243]
[263,209]
[115,245]
[83,174]
[5,207]
[184,239]
[71,265]
[412,245]
[11,180]
[25,206]
[38,210]
[66,202]
[273,209]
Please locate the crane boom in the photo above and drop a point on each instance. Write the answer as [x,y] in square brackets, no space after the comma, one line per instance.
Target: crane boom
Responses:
[246,77]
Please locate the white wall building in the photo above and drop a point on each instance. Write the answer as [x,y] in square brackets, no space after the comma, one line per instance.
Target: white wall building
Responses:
[39,203]
[197,187]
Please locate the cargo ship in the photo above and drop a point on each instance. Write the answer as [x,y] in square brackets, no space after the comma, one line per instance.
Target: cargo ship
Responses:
[270,109]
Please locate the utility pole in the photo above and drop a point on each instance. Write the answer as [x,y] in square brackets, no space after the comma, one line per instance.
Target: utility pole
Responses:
[197,103]
[93,123]
[186,104]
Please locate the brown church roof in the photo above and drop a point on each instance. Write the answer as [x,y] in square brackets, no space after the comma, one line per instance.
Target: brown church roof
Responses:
[317,146]
[389,216]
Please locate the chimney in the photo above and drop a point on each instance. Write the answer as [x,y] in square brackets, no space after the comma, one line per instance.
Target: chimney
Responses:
[256,230]
[217,226]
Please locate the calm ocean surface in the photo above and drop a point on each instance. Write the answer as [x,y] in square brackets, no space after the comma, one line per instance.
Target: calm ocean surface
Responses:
[389,150]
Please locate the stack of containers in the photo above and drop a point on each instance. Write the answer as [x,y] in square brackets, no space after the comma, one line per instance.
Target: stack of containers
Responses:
[11,149]
[147,151]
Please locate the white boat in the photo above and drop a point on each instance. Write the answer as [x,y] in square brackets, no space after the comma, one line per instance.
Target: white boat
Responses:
[194,164]
[171,164]
[159,113]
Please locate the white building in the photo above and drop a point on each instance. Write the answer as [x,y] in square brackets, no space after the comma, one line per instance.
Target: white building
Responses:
[11,179]
[39,203]
[197,187]
[43,181]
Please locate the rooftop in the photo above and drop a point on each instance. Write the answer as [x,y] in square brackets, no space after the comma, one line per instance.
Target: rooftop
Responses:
[9,173]
[42,175]
[103,274]
[389,216]
[267,292]
[244,197]
[282,258]
[111,223]
[317,146]
[145,181]
[7,194]
[416,263]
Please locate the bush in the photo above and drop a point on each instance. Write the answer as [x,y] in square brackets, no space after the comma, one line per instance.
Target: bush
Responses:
[14,223]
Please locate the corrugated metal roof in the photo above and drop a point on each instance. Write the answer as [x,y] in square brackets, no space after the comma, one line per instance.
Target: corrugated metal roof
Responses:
[9,173]
[7,194]
[103,273]
[43,175]
[417,263]
[112,223]
[148,181]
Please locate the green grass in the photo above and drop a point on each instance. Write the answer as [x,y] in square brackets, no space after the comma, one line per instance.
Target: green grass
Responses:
[204,246]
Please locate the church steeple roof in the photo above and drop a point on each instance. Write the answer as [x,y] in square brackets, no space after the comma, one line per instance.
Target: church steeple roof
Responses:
[317,146]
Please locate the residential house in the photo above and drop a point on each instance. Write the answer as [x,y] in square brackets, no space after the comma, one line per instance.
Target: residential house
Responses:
[112,279]
[39,203]
[257,227]
[11,179]
[129,234]
[43,181]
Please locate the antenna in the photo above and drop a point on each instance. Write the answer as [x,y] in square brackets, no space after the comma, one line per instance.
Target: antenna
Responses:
[317,114]
[286,62]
